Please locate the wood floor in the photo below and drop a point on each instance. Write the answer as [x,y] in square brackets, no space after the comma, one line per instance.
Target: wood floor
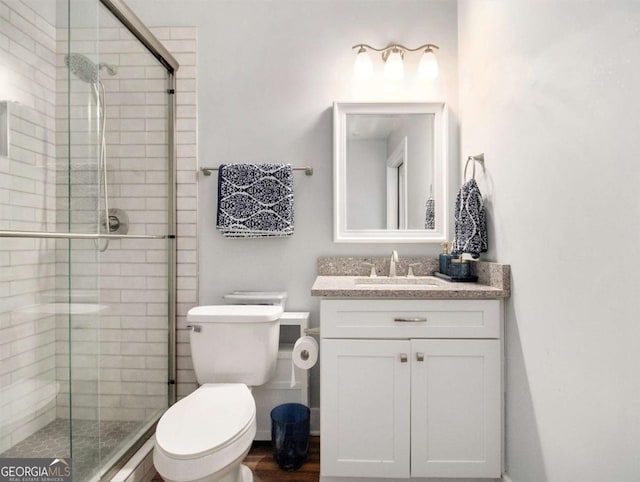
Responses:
[265,469]
[260,460]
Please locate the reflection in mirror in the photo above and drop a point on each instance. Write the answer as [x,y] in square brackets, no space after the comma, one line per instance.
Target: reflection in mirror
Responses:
[390,172]
[396,174]
[390,154]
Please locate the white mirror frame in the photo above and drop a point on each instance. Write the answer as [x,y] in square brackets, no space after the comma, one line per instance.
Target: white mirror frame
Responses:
[341,234]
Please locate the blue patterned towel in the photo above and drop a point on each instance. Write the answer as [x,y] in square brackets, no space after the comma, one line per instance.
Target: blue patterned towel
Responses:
[430,214]
[255,200]
[470,221]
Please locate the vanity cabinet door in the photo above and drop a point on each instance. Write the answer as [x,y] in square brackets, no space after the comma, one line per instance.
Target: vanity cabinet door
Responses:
[365,408]
[456,408]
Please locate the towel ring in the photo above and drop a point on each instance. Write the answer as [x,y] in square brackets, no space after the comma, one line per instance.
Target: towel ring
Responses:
[478,158]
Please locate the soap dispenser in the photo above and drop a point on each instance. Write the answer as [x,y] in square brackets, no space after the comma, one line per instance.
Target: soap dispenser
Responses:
[446,257]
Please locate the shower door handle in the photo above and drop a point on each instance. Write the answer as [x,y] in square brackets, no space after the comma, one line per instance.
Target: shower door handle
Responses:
[43,234]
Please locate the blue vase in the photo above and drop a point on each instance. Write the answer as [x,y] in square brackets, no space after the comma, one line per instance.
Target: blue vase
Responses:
[460,270]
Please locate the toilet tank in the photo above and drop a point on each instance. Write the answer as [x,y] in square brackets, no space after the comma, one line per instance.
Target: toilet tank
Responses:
[234,343]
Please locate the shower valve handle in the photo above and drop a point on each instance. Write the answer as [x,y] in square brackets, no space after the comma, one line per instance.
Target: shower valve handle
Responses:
[114,223]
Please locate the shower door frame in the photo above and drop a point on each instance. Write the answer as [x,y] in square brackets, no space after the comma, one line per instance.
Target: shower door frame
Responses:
[139,30]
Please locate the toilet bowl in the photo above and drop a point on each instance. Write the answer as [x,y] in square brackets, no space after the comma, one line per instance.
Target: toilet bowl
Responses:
[206,435]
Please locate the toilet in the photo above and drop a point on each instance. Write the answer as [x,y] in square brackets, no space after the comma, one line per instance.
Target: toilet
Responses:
[206,435]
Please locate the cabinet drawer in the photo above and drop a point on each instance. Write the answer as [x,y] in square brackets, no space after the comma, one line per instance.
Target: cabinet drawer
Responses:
[410,318]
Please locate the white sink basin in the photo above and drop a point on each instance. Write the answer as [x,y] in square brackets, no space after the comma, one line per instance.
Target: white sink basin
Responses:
[401,281]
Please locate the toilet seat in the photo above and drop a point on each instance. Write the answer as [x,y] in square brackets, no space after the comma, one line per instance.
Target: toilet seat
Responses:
[205,431]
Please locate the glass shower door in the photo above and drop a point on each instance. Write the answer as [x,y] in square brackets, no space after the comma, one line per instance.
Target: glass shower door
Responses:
[118,184]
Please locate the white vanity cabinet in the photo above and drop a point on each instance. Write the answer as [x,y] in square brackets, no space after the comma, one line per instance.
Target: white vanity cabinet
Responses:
[410,389]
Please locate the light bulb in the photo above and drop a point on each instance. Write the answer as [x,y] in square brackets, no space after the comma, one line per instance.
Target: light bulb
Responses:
[428,67]
[363,67]
[394,68]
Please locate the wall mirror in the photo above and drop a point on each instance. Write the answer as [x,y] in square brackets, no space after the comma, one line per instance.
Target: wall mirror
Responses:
[390,172]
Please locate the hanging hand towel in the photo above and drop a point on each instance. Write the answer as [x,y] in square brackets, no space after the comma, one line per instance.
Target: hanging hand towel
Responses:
[430,214]
[470,221]
[255,200]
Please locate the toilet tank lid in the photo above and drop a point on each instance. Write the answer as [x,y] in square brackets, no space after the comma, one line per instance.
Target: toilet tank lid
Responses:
[235,313]
[257,297]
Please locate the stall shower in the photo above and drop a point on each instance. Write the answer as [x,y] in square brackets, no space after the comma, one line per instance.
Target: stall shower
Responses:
[87,232]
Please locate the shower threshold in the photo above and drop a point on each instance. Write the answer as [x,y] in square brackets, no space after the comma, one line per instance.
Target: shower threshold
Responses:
[94,443]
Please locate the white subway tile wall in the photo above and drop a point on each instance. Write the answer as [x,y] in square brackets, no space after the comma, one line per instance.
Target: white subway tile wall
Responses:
[27,202]
[113,345]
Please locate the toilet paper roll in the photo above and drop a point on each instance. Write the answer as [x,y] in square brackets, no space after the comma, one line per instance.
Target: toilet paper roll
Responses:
[304,355]
[305,352]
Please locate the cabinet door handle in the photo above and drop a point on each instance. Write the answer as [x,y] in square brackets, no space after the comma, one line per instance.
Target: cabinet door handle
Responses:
[417,319]
[420,356]
[403,358]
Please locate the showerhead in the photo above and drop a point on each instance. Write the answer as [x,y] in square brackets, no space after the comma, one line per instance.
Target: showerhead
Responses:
[84,68]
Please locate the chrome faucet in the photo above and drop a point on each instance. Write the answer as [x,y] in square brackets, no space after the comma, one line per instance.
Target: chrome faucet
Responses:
[392,264]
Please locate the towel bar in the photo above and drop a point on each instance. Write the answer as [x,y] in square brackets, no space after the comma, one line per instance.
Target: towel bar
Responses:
[477,158]
[307,170]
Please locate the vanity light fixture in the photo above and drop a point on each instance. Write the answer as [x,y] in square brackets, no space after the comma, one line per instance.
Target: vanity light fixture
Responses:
[393,56]
[363,68]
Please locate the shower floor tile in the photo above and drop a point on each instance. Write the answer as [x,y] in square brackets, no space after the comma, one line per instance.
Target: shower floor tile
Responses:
[93,442]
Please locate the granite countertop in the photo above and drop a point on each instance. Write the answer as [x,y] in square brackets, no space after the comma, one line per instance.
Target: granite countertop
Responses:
[349,278]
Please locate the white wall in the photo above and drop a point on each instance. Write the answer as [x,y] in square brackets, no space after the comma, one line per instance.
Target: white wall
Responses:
[549,92]
[268,75]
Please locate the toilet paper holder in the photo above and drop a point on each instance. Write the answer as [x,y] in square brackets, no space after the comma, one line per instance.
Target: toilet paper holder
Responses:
[304,354]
